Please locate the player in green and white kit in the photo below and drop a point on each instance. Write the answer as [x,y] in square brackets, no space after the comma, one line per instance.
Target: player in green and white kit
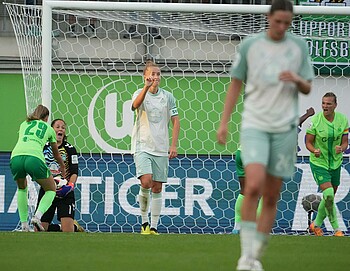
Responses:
[275,66]
[327,139]
[241,177]
[27,158]
[154,108]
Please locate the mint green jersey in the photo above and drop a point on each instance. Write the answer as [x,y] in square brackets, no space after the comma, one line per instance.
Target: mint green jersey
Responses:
[271,105]
[32,138]
[327,136]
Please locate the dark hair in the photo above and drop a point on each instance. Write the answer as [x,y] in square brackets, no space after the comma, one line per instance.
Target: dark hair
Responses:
[331,94]
[53,123]
[40,113]
[149,63]
[283,5]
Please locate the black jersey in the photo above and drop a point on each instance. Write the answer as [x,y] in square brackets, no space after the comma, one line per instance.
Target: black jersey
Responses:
[69,157]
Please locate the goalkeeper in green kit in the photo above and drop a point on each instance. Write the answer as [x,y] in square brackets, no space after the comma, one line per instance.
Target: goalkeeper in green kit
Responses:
[327,139]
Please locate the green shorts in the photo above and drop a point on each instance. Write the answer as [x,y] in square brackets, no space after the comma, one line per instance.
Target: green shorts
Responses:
[276,151]
[322,175]
[23,165]
[239,165]
[150,164]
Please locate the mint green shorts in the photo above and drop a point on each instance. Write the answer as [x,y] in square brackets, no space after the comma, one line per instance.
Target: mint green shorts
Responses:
[322,175]
[23,165]
[147,163]
[276,151]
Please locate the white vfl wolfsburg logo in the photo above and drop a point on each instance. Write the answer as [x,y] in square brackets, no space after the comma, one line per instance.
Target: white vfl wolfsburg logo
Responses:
[114,131]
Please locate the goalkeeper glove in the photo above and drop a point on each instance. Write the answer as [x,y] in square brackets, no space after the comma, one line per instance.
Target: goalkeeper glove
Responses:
[64,190]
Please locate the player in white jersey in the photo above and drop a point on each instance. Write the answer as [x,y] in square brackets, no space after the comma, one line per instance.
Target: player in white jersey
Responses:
[275,66]
[154,108]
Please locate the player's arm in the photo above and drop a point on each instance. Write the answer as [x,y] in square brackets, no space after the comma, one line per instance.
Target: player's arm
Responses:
[304,86]
[309,112]
[344,144]
[310,140]
[58,157]
[141,96]
[175,136]
[72,164]
[232,95]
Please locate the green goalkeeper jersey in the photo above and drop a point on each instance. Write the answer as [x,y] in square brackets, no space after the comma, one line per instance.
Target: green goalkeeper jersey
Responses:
[32,138]
[327,136]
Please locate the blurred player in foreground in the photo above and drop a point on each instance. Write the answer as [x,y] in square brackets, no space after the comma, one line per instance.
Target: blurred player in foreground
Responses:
[273,79]
[154,108]
[27,158]
[241,177]
[327,139]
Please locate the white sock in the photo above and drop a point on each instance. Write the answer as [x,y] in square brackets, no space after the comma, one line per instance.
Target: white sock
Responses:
[144,200]
[156,206]
[38,214]
[25,225]
[247,236]
[259,244]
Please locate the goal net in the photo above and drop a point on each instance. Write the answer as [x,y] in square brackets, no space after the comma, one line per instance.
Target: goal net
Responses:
[87,61]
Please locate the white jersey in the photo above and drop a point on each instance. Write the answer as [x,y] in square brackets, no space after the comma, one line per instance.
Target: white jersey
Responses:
[150,133]
[269,104]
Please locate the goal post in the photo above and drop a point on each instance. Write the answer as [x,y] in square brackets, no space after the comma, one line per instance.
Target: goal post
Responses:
[85,61]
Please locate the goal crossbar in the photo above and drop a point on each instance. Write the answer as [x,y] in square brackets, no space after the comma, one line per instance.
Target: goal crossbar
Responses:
[188,7]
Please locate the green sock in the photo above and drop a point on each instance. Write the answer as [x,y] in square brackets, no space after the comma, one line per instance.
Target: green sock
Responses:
[328,195]
[46,201]
[238,207]
[321,214]
[259,209]
[22,204]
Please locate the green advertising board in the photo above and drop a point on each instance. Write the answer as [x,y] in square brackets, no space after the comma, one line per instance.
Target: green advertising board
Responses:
[12,109]
[98,112]
[327,37]
[107,99]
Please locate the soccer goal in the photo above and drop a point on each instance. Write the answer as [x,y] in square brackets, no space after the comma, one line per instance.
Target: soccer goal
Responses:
[84,60]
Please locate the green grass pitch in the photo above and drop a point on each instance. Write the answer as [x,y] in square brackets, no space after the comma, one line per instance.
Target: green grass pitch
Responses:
[166,252]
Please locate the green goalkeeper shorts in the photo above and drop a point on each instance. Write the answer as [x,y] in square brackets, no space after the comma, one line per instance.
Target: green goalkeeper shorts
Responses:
[23,165]
[322,175]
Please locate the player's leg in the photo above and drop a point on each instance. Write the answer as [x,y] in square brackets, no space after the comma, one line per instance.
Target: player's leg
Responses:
[22,202]
[39,172]
[335,174]
[48,216]
[330,209]
[19,174]
[280,165]
[315,226]
[238,215]
[66,212]
[144,173]
[271,193]
[49,187]
[255,151]
[160,165]
[144,201]
[156,206]
[239,201]
[323,179]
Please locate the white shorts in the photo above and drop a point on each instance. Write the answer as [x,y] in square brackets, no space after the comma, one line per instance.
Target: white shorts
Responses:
[276,151]
[150,164]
